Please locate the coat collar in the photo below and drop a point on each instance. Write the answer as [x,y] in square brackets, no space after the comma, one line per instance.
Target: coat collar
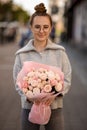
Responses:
[30,47]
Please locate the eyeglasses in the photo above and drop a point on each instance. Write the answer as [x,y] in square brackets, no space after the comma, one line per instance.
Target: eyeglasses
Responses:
[38,28]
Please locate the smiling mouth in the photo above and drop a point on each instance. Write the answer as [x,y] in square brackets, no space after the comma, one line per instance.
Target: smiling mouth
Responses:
[41,35]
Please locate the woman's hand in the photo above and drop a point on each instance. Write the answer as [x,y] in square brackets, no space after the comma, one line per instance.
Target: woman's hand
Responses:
[36,98]
[49,99]
[44,98]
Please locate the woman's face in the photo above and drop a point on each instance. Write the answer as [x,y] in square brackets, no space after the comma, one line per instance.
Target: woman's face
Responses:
[41,28]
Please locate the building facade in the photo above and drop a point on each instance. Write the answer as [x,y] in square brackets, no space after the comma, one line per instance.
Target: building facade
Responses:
[76,17]
[56,9]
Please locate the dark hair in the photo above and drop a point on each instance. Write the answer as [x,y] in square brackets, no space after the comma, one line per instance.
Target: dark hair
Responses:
[40,10]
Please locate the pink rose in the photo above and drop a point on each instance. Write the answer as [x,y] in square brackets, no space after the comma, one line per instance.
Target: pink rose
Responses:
[25,84]
[31,74]
[39,80]
[30,87]
[58,77]
[40,85]
[29,80]
[34,83]
[36,91]
[51,75]
[43,76]
[58,87]
[25,90]
[29,94]
[47,88]
[53,82]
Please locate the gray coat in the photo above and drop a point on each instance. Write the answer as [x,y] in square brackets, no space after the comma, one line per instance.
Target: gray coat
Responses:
[54,55]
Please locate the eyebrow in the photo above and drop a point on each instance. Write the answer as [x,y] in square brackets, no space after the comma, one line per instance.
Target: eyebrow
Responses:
[40,25]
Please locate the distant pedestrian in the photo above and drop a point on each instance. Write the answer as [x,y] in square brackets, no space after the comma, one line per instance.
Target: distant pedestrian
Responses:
[53,33]
[26,35]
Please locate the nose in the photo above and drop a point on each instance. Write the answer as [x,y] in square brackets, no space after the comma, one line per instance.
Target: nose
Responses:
[41,29]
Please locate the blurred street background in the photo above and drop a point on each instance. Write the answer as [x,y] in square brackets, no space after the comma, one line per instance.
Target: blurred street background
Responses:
[69,30]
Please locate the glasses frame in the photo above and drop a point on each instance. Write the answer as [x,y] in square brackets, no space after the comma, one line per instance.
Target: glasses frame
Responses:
[38,28]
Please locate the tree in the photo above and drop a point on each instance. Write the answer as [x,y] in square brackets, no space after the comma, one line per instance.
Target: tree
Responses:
[11,12]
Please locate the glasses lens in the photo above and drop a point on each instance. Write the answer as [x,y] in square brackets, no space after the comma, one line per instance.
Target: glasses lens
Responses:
[38,28]
[46,28]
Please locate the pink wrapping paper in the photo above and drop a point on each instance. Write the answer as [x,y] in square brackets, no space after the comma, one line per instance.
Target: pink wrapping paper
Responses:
[39,114]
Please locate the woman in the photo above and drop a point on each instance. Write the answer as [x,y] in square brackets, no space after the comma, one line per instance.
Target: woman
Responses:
[42,50]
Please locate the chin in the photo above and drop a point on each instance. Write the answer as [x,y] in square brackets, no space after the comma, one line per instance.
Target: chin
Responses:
[41,39]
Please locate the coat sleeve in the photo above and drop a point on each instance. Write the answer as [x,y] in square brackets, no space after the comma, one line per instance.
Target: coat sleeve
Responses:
[16,69]
[67,70]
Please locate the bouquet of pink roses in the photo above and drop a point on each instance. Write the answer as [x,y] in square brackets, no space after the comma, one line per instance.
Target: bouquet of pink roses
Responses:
[35,80]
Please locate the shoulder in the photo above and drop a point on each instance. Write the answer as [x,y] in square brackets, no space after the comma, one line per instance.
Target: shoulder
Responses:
[26,48]
[60,47]
[55,46]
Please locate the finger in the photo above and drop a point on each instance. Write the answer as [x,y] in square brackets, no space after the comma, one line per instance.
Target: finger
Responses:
[48,102]
[37,102]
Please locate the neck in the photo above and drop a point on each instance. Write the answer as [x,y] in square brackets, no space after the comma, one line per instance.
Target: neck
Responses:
[40,45]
